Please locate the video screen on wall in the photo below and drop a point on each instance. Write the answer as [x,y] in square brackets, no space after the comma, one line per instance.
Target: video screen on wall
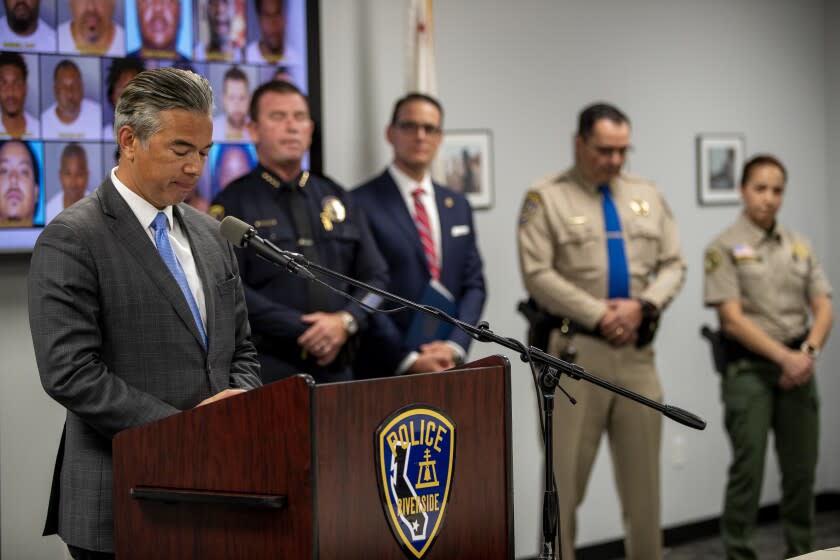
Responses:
[63,64]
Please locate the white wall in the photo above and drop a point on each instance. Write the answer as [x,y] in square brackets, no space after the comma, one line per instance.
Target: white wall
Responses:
[30,426]
[765,68]
[829,473]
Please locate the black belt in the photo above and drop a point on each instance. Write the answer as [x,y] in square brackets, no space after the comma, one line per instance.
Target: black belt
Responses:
[542,323]
[734,350]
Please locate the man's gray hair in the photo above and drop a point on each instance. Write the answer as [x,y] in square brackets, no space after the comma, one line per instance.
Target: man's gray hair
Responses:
[162,89]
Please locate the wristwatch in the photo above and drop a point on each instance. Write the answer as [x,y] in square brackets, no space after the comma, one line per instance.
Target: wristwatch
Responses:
[351,325]
[810,349]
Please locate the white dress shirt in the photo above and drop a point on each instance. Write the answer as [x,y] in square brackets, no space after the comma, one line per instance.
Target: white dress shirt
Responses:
[407,186]
[145,214]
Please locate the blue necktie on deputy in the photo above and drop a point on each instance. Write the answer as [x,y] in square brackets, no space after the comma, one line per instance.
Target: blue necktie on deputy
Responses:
[160,226]
[619,275]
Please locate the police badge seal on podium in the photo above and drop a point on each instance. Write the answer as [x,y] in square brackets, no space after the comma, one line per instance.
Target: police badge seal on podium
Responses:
[415,460]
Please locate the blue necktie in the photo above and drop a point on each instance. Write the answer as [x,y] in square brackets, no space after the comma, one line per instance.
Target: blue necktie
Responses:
[165,249]
[619,276]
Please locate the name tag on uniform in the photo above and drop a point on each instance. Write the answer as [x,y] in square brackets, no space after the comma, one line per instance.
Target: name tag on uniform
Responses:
[458,231]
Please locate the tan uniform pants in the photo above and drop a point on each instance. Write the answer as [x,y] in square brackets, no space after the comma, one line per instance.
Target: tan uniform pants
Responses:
[634,436]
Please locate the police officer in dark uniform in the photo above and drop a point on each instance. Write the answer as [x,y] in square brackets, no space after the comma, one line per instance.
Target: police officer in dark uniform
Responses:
[299,325]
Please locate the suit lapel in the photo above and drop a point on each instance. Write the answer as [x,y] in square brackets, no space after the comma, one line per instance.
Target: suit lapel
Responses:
[394,203]
[445,218]
[200,244]
[127,229]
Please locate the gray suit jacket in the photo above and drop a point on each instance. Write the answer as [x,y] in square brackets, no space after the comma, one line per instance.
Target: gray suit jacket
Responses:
[116,343]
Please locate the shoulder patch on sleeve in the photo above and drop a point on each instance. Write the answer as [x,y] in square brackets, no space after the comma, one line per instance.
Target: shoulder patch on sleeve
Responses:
[532,203]
[800,251]
[712,260]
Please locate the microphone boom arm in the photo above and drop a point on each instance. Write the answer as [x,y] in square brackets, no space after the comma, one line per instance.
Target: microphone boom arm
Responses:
[482,333]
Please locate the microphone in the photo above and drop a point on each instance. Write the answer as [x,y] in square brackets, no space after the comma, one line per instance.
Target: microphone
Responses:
[242,234]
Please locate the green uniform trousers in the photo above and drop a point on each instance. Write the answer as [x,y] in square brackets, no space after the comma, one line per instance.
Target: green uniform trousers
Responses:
[753,404]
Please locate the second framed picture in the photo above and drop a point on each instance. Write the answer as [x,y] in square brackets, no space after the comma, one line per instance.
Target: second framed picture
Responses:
[464,164]
[720,158]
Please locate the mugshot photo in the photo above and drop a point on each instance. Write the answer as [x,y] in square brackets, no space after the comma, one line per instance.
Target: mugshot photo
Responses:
[21,183]
[64,64]
[159,29]
[228,162]
[292,73]
[91,28]
[276,32]
[232,86]
[220,30]
[19,102]
[28,25]
[116,73]
[71,171]
[70,87]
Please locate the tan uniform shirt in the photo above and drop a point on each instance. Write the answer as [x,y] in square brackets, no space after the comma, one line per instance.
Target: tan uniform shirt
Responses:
[773,275]
[563,247]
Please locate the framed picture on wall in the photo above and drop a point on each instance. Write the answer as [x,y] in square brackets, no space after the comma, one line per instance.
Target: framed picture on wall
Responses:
[464,164]
[720,158]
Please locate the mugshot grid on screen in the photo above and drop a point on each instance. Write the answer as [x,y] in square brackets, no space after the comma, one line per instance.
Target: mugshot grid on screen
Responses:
[63,64]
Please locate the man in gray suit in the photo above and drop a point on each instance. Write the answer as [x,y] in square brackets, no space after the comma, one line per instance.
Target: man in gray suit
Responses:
[135,302]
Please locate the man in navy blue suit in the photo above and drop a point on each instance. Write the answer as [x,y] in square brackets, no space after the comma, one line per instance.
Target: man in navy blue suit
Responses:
[426,234]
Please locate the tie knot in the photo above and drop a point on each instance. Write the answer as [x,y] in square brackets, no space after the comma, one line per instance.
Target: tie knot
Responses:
[604,190]
[160,222]
[418,192]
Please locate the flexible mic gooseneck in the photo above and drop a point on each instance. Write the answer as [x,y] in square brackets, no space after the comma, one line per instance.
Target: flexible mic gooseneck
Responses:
[242,234]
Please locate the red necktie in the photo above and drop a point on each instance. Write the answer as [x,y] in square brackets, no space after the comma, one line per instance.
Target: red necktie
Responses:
[421,219]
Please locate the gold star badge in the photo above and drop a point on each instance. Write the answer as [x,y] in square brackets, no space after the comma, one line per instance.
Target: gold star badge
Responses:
[217,211]
[640,207]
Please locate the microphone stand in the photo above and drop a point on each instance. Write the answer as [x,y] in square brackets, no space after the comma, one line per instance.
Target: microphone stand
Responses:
[551,368]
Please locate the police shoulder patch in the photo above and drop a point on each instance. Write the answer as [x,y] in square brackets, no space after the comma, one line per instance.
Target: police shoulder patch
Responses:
[712,260]
[800,251]
[532,203]
[415,461]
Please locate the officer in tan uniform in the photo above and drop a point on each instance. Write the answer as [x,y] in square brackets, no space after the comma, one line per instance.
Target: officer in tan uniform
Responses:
[599,248]
[763,279]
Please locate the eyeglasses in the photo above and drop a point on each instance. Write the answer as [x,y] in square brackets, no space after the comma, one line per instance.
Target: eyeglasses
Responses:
[414,127]
[607,151]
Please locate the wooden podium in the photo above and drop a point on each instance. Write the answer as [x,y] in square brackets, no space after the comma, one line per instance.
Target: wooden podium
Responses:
[289,471]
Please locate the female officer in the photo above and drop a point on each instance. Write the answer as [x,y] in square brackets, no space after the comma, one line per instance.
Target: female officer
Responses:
[764,279]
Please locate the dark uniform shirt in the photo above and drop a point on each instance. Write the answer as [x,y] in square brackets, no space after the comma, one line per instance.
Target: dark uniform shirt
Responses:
[276,299]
